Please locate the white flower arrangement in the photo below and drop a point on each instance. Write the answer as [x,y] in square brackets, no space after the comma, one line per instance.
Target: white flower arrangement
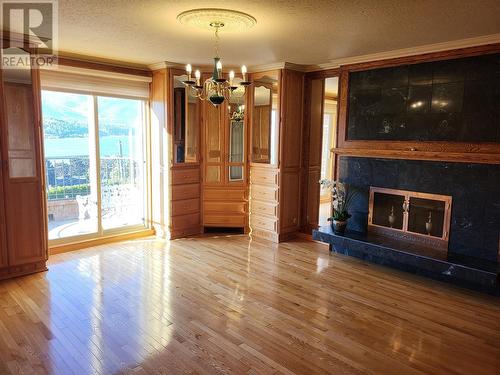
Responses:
[342,195]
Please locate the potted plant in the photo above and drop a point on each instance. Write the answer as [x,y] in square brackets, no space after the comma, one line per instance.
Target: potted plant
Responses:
[342,196]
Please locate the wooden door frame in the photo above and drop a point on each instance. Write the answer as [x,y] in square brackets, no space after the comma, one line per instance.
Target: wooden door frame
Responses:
[307,225]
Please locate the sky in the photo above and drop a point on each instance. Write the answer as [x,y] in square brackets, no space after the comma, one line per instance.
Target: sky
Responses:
[76,107]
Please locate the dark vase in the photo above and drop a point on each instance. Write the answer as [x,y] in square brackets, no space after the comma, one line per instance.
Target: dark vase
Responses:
[338,226]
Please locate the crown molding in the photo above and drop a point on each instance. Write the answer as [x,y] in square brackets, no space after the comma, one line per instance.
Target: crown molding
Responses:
[276,66]
[412,51]
[166,65]
[297,67]
[101,61]
[333,64]
[67,69]
[266,67]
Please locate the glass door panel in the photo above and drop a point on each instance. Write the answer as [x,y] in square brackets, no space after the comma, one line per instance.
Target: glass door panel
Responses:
[213,138]
[70,164]
[122,161]
[186,115]
[236,149]
[426,216]
[236,111]
[192,128]
[388,210]
[261,129]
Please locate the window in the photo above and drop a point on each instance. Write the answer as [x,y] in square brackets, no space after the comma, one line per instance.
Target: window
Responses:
[95,163]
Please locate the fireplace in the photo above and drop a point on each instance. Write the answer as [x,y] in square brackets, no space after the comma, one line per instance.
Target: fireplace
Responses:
[463,245]
[412,216]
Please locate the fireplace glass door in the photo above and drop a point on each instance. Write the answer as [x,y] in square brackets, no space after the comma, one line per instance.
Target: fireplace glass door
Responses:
[409,215]
[389,210]
[426,216]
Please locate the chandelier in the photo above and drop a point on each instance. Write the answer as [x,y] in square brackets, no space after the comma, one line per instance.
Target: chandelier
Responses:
[238,114]
[217,88]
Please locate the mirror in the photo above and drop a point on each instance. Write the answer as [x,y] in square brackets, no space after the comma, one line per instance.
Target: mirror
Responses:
[264,121]
[186,122]
[236,109]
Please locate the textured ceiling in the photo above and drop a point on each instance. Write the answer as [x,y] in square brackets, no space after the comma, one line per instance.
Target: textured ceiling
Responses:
[302,32]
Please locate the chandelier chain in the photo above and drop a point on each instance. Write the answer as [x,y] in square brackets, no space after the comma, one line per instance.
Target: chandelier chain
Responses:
[216,47]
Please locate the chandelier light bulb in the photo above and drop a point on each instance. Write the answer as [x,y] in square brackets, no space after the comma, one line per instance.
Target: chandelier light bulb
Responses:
[188,71]
[244,72]
[219,67]
[197,74]
[231,77]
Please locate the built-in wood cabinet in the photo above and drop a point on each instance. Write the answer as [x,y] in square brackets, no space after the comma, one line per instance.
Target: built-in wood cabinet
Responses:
[184,117]
[23,228]
[276,157]
[3,240]
[225,180]
[233,171]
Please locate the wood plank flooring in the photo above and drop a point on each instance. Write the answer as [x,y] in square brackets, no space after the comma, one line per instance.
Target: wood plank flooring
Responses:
[230,305]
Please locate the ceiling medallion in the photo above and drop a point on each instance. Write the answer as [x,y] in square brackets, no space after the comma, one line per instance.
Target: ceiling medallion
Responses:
[217,88]
[208,18]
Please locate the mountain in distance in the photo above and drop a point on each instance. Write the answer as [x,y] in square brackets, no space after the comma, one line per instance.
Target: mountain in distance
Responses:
[65,115]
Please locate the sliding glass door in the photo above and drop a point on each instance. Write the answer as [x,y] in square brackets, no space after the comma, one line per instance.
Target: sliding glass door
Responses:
[95,165]
[121,156]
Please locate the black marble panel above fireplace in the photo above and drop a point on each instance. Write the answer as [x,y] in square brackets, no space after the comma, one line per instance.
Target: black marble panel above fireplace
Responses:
[475,189]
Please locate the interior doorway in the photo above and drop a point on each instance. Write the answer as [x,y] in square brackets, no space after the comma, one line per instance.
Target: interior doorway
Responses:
[321,134]
[328,139]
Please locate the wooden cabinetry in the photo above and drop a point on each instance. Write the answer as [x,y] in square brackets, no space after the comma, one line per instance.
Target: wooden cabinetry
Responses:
[257,160]
[276,160]
[3,240]
[185,167]
[224,147]
[23,228]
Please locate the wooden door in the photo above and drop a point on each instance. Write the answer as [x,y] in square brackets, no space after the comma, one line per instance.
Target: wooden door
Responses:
[22,171]
[291,162]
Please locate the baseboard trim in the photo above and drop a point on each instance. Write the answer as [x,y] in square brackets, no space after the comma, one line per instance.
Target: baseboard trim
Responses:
[58,249]
[22,270]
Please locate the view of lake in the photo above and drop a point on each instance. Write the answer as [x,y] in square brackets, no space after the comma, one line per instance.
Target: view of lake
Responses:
[64,147]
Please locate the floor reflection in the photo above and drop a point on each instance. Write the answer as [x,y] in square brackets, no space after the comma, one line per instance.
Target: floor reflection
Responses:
[231,305]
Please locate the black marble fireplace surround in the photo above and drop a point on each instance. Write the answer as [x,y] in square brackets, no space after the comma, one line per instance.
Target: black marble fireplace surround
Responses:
[475,218]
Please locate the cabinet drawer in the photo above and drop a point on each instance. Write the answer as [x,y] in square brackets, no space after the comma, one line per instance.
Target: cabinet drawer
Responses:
[262,222]
[264,193]
[185,176]
[185,191]
[224,195]
[236,221]
[187,206]
[258,207]
[224,207]
[185,221]
[264,176]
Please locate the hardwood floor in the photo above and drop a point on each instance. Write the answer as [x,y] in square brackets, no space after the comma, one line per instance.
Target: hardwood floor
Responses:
[229,305]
